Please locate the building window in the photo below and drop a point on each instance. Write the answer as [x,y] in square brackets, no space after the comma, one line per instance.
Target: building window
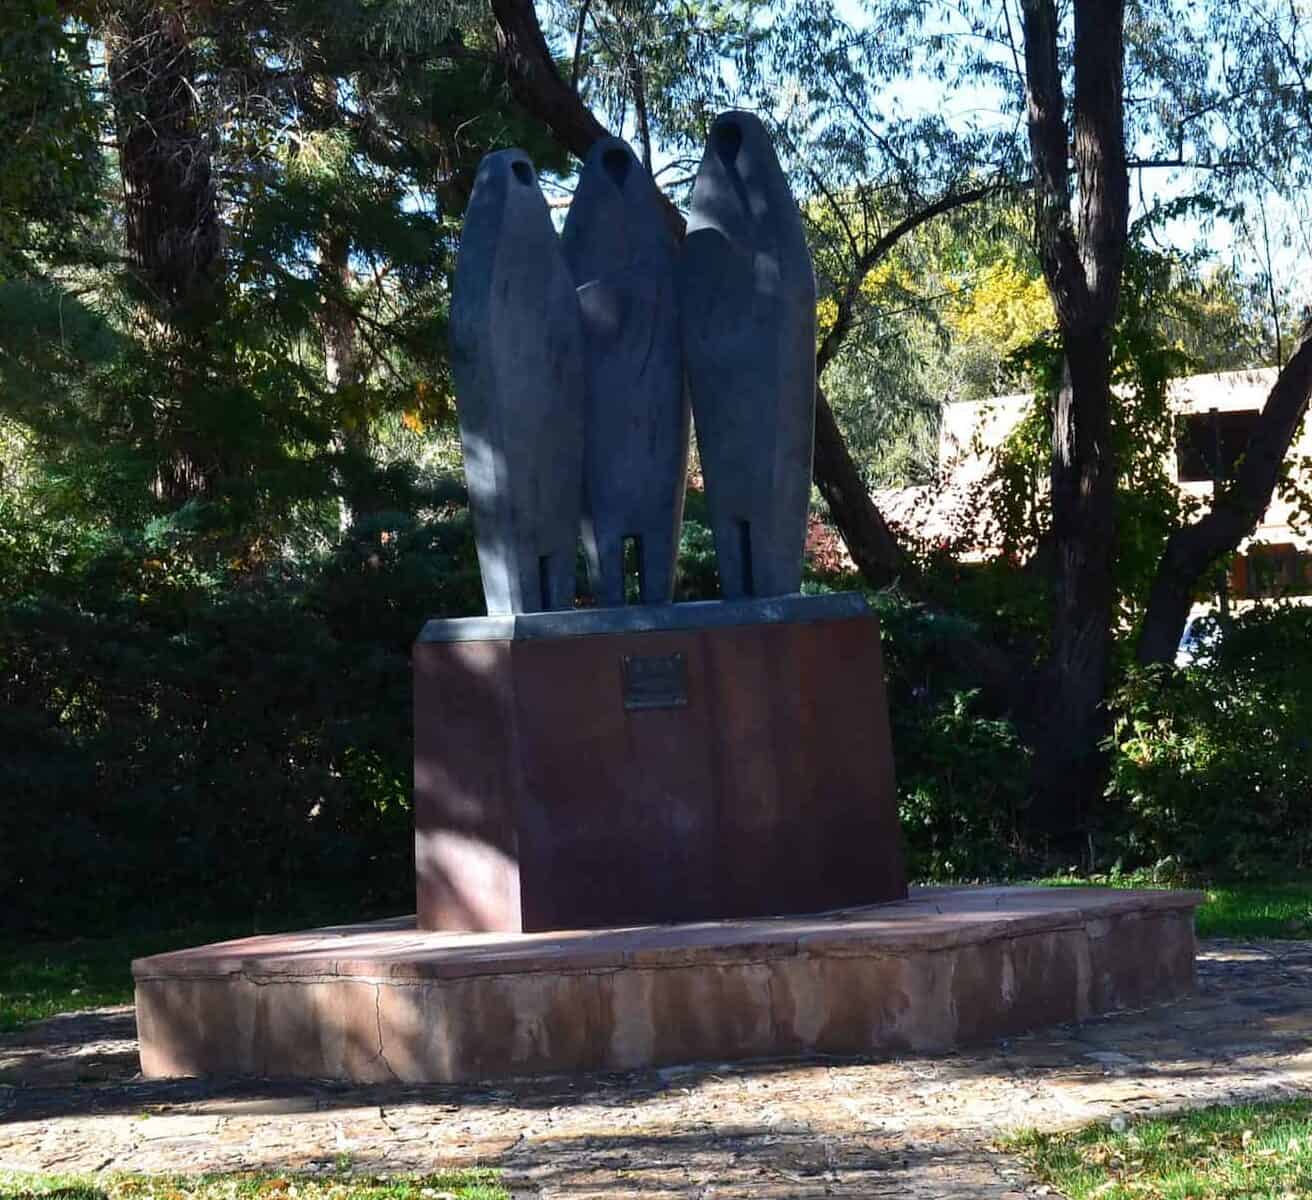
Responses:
[1199,435]
[1275,571]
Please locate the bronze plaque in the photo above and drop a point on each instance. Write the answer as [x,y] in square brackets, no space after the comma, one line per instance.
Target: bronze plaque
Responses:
[655,681]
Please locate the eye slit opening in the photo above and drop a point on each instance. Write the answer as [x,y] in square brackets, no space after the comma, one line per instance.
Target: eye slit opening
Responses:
[728,141]
[616,164]
[523,172]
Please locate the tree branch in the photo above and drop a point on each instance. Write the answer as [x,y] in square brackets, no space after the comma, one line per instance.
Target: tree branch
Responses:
[1191,549]
[1046,115]
[640,107]
[876,252]
[578,46]
[534,81]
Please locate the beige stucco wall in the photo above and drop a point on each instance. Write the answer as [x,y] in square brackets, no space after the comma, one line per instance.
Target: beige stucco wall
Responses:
[972,429]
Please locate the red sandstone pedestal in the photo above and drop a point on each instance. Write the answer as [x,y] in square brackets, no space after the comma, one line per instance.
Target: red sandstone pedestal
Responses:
[653,764]
[385,1001]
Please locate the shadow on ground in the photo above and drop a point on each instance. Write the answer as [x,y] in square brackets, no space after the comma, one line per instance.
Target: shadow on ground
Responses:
[818,1126]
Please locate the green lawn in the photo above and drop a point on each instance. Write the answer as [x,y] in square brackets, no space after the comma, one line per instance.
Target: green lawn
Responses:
[1250,1152]
[39,979]
[449,1185]
[1257,910]
[1239,910]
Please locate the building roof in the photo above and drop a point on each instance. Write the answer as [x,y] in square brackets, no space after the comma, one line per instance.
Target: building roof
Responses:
[953,511]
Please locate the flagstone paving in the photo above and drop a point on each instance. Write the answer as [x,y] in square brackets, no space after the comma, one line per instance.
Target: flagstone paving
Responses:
[71,1100]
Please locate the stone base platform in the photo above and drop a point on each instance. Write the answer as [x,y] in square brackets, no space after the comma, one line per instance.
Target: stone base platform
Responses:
[383,1001]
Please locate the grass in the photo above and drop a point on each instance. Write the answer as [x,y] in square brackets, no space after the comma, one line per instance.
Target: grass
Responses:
[1257,910]
[1237,910]
[478,1184]
[1247,1152]
[40,979]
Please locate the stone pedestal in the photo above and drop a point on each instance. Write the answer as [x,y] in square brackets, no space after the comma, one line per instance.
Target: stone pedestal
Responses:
[640,765]
[384,1002]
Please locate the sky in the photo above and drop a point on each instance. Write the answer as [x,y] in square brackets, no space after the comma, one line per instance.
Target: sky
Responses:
[1289,246]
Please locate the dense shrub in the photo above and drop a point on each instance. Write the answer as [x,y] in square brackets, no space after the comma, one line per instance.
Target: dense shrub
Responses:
[176,740]
[180,734]
[1213,763]
[184,730]
[962,773]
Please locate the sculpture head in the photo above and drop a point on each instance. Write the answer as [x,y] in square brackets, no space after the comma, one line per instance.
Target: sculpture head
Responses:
[616,219]
[506,202]
[740,185]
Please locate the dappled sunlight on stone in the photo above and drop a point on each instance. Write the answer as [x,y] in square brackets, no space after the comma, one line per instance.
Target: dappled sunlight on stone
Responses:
[916,1126]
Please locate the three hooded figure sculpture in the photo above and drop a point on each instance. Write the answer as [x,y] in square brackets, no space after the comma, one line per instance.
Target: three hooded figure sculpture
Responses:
[574,360]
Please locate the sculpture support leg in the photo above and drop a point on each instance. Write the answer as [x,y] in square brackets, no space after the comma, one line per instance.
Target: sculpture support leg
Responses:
[734,557]
[606,570]
[615,559]
[656,566]
[557,578]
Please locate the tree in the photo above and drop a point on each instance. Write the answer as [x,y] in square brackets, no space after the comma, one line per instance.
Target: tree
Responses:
[1083,256]
[1077,170]
[271,269]
[1193,548]
[249,330]
[51,174]
[1084,259]
[539,87]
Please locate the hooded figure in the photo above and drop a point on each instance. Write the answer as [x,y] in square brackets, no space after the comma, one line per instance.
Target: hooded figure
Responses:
[517,365]
[621,253]
[747,311]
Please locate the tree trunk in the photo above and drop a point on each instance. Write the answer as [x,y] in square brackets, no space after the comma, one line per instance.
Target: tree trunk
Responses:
[171,221]
[337,320]
[871,543]
[1068,766]
[1192,549]
[1083,256]
[344,372]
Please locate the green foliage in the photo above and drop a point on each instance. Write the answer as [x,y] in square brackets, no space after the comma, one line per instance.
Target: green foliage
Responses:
[40,979]
[1247,909]
[168,712]
[698,577]
[1260,909]
[1166,322]
[1144,361]
[961,788]
[49,128]
[937,320]
[1213,764]
[223,518]
[165,717]
[961,772]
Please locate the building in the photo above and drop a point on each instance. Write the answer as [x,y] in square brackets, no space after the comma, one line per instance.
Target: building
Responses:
[1216,414]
